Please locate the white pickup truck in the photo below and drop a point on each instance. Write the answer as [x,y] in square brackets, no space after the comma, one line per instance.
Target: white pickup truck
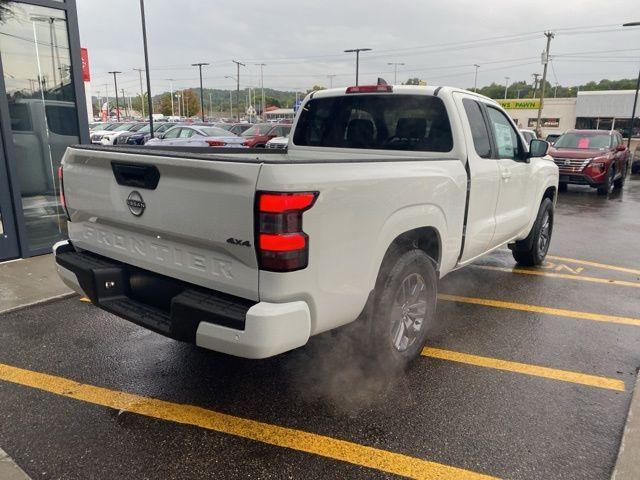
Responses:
[382,191]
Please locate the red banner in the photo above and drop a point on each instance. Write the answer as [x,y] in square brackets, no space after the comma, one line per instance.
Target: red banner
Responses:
[84,57]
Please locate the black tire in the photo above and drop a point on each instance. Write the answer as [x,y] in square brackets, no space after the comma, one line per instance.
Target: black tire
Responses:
[387,313]
[533,249]
[562,187]
[609,185]
[619,183]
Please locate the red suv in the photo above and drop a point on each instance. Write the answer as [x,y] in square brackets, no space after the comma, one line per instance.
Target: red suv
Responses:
[258,135]
[598,158]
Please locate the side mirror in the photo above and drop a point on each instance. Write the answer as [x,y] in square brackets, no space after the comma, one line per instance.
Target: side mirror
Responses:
[538,148]
[621,147]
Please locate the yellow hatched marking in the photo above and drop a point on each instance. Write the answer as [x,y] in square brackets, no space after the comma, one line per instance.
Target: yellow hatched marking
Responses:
[526,369]
[597,317]
[299,440]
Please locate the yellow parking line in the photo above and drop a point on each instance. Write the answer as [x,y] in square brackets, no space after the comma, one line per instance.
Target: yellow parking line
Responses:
[597,317]
[526,369]
[595,264]
[299,440]
[622,283]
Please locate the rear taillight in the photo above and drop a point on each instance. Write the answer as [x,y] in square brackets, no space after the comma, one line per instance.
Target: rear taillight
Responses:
[282,246]
[63,202]
[370,89]
[216,143]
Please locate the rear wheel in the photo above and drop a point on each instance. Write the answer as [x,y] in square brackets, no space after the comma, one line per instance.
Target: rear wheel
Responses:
[404,308]
[533,249]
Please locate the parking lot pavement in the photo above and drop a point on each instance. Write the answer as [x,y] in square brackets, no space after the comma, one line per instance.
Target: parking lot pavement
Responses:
[528,374]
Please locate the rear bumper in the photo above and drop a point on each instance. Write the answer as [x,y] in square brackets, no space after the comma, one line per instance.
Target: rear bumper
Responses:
[179,310]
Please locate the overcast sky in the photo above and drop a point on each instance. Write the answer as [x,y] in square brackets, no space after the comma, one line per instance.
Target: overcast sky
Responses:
[438,41]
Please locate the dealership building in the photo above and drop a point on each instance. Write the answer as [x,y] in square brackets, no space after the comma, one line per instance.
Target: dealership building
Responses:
[42,111]
[601,110]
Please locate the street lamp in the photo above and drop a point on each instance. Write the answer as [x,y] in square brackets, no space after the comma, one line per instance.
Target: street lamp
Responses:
[146,67]
[635,100]
[506,85]
[200,65]
[115,84]
[395,70]
[230,96]
[475,78]
[357,52]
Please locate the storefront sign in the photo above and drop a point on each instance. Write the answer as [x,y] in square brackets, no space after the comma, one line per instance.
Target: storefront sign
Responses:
[522,104]
[84,57]
[545,122]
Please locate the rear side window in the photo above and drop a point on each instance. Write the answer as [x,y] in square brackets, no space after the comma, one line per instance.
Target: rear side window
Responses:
[20,118]
[62,120]
[478,126]
[380,122]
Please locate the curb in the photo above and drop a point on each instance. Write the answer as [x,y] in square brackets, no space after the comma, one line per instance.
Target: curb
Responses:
[9,470]
[39,302]
[628,463]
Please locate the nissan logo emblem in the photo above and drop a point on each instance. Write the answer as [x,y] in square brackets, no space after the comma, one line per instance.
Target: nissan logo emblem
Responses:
[136,203]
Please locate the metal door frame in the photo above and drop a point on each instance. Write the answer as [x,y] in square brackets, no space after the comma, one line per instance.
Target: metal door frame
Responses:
[7,152]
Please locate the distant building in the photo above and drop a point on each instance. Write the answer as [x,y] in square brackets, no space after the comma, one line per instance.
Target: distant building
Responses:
[279,114]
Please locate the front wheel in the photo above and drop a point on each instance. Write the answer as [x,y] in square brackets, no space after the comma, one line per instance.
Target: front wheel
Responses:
[404,308]
[619,183]
[609,185]
[533,249]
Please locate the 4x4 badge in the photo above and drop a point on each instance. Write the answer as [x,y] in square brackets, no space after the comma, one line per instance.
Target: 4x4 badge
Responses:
[237,241]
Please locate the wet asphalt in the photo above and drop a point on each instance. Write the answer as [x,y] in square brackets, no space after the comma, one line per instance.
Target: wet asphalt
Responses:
[503,424]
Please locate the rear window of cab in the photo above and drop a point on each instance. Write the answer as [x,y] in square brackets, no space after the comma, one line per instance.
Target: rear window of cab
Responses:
[375,121]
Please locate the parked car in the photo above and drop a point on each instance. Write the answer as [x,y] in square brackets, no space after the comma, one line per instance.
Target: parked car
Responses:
[358,221]
[552,137]
[258,135]
[235,128]
[528,134]
[278,143]
[143,135]
[635,160]
[197,136]
[598,158]
[120,137]
[97,136]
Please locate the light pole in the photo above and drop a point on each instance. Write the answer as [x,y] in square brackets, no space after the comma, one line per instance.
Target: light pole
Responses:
[261,65]
[535,83]
[635,99]
[200,65]
[146,67]
[140,70]
[506,86]
[330,77]
[357,52]
[115,84]
[395,70]
[475,78]
[170,80]
[238,85]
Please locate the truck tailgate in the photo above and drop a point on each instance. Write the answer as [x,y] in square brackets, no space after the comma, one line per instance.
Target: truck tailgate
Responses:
[196,224]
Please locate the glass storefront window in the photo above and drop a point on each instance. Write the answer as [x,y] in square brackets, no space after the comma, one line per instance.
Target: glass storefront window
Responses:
[34,45]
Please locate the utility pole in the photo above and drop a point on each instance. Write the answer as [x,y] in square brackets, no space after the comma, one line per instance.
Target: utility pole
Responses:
[395,70]
[171,80]
[261,65]
[210,105]
[238,85]
[545,60]
[200,65]
[506,86]
[330,77]
[140,70]
[555,91]
[357,52]
[635,99]
[124,98]
[535,83]
[475,78]
[115,83]
[146,67]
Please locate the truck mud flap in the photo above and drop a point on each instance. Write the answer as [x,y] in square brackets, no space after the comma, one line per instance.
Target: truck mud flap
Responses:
[159,303]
